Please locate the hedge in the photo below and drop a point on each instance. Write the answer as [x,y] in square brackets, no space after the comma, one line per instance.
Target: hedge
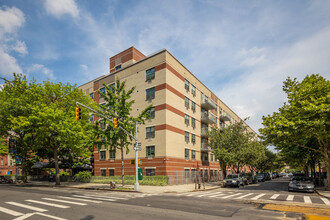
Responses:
[130,180]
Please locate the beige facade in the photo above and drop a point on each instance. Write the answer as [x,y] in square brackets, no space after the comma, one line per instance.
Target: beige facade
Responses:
[184,110]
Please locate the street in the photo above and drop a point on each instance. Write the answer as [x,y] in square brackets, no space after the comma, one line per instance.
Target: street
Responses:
[18,202]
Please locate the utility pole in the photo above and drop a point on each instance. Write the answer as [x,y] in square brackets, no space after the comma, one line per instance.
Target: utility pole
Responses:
[136,147]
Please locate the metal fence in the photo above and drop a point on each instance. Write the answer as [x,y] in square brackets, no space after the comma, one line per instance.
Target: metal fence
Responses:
[187,176]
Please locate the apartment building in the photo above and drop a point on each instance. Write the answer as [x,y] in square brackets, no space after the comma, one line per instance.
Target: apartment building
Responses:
[7,162]
[175,138]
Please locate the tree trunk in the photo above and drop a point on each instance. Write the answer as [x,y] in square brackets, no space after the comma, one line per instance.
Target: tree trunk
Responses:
[122,166]
[319,163]
[327,164]
[223,169]
[24,170]
[57,169]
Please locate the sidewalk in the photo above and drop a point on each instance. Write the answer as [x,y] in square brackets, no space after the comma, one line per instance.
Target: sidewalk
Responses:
[127,188]
[321,191]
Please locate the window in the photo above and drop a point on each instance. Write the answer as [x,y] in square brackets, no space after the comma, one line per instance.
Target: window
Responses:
[91,95]
[193,90]
[186,173]
[186,119]
[150,172]
[211,157]
[102,155]
[112,154]
[1,162]
[186,154]
[102,124]
[150,74]
[150,151]
[193,154]
[193,174]
[186,102]
[103,172]
[111,172]
[91,118]
[193,138]
[152,113]
[186,85]
[186,136]
[193,106]
[118,67]
[150,132]
[193,122]
[102,90]
[103,107]
[150,93]
[113,87]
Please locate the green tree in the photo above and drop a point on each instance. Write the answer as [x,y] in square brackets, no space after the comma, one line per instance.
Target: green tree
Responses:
[118,104]
[304,118]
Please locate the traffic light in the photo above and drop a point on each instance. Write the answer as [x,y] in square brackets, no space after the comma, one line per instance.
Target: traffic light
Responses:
[78,114]
[115,123]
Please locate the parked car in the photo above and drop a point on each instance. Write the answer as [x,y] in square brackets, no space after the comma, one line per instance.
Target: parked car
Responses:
[267,176]
[233,180]
[249,178]
[261,177]
[301,183]
[3,179]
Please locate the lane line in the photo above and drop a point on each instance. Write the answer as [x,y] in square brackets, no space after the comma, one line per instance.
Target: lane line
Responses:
[307,199]
[326,201]
[64,201]
[10,212]
[290,198]
[275,196]
[49,204]
[83,200]
[88,197]
[27,207]
[243,196]
[258,196]
[232,195]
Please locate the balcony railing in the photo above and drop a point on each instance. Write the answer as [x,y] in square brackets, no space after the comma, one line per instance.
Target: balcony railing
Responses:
[206,147]
[205,163]
[208,118]
[208,105]
[204,132]
[225,117]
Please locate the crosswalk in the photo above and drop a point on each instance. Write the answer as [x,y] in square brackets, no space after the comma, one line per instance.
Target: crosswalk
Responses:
[258,196]
[41,205]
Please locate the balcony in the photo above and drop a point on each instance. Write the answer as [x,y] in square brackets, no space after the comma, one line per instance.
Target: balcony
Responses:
[208,105]
[208,118]
[205,163]
[204,132]
[225,117]
[205,147]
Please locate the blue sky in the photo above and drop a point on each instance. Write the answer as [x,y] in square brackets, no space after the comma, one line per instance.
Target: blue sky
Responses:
[241,50]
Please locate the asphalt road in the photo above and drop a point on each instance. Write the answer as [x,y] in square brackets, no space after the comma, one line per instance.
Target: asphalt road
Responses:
[64,203]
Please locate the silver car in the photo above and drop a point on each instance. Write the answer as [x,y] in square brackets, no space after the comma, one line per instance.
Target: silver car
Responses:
[233,180]
[301,183]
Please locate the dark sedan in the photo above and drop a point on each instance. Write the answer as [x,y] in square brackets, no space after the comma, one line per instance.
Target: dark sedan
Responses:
[301,183]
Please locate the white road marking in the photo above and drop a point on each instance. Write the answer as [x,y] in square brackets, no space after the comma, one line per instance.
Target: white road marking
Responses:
[326,201]
[49,204]
[275,196]
[216,194]
[258,196]
[27,207]
[307,199]
[232,195]
[38,213]
[89,197]
[243,196]
[83,200]
[10,212]
[64,201]
[290,198]
[205,194]
[106,197]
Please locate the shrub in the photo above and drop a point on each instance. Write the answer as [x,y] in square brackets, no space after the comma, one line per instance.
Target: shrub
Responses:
[84,177]
[130,180]
[63,173]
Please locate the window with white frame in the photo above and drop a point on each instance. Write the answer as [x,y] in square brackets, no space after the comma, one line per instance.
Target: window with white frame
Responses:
[150,172]
[186,154]
[102,155]
[193,106]
[186,119]
[150,132]
[193,138]
[193,122]
[186,102]
[186,85]
[111,172]
[112,154]
[193,154]
[151,113]
[150,151]
[91,95]
[186,136]
[193,90]
[150,74]
[150,93]
[103,172]
[102,90]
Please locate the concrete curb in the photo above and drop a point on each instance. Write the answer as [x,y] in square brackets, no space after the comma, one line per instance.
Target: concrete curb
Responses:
[207,189]
[321,194]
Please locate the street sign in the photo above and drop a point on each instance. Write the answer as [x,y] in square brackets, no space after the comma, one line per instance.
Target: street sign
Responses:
[139,144]
[137,148]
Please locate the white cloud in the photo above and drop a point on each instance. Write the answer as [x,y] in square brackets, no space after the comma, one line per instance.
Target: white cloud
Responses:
[61,7]
[259,89]
[20,47]
[8,64]
[41,69]
[11,19]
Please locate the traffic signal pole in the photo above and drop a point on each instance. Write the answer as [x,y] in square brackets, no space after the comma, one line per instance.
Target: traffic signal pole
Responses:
[136,185]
